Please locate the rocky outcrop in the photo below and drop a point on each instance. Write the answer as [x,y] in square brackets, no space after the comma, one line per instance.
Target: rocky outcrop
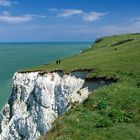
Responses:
[38,98]
[36,101]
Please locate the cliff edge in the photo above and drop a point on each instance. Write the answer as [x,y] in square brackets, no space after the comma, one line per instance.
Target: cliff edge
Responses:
[36,101]
[39,97]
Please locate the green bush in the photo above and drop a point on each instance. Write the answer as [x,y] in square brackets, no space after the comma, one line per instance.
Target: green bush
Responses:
[104,123]
[117,115]
[129,117]
[102,105]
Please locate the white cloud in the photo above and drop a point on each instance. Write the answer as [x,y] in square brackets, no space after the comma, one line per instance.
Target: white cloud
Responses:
[70,12]
[93,16]
[129,26]
[8,18]
[7,3]
[86,16]
[52,9]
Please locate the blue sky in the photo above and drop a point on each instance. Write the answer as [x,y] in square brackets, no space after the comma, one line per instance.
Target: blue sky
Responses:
[66,20]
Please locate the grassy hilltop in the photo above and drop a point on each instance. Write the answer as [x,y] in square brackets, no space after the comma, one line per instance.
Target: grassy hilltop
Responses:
[111,112]
[115,56]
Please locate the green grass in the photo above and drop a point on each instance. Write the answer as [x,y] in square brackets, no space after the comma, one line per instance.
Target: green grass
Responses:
[111,112]
[122,63]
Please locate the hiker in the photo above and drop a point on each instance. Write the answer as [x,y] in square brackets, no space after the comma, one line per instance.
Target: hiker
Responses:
[58,61]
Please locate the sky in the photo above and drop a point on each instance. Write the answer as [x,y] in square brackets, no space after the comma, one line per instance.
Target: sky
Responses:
[66,20]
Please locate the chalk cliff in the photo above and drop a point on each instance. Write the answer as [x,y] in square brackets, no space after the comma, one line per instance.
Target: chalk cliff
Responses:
[37,99]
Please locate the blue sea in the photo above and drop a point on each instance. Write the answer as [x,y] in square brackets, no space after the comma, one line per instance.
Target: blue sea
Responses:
[15,56]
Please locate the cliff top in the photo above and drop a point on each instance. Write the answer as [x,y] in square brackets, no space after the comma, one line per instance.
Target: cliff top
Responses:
[112,112]
[115,56]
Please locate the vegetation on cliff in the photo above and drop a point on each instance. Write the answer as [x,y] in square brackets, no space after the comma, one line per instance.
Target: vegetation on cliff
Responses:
[111,112]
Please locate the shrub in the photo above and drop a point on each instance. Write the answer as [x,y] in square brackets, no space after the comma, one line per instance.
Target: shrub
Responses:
[122,42]
[129,116]
[104,123]
[117,115]
[88,103]
[138,84]
[98,40]
[102,105]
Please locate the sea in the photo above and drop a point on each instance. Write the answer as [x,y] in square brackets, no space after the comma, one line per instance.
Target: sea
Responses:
[15,56]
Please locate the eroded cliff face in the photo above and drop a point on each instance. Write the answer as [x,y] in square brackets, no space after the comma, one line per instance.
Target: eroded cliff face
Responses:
[37,100]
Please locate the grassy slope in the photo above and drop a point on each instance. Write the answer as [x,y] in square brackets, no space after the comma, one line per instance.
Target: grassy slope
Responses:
[104,59]
[111,112]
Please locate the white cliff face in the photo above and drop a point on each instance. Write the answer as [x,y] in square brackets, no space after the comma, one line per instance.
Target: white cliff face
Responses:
[36,101]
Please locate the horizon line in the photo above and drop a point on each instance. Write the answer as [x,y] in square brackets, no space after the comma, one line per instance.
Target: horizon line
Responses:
[43,41]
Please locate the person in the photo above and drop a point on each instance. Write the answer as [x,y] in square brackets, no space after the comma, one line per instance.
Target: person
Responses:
[58,61]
